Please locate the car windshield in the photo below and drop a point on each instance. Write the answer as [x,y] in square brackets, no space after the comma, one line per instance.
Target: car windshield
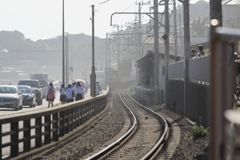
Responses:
[24,89]
[8,90]
[43,82]
[30,83]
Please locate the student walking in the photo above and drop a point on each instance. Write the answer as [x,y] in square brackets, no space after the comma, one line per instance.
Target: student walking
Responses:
[98,89]
[79,90]
[50,94]
[70,93]
[63,97]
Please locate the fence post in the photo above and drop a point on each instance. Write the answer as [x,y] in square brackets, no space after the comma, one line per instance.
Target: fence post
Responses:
[55,126]
[27,135]
[1,141]
[47,128]
[14,139]
[38,130]
[62,123]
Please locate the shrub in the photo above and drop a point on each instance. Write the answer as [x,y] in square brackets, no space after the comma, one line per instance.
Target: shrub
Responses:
[197,131]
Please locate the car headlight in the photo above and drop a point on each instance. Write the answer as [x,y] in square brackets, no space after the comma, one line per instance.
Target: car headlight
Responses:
[14,99]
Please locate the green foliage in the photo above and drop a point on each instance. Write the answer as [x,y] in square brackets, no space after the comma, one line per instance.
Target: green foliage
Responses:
[199,26]
[130,89]
[197,131]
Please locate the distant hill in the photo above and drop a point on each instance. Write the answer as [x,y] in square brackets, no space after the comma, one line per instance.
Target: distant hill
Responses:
[48,52]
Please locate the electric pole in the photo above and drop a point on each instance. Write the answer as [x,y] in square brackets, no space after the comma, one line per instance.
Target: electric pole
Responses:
[93,76]
[186,50]
[139,30]
[166,38]
[175,28]
[216,11]
[63,60]
[156,53]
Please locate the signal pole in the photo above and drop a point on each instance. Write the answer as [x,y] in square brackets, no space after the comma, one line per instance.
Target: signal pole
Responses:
[186,50]
[63,60]
[156,52]
[93,76]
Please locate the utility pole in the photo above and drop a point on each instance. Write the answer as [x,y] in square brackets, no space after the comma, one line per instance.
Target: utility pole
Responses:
[93,76]
[156,52]
[63,60]
[216,10]
[166,59]
[181,36]
[175,28]
[71,63]
[139,29]
[106,50]
[186,50]
[218,130]
[67,58]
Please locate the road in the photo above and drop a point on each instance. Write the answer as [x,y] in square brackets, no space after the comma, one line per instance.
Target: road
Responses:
[6,111]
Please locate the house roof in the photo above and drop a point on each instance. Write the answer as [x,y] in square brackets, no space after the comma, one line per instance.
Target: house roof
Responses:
[150,53]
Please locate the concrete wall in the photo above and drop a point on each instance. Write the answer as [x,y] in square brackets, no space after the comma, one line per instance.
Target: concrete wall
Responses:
[197,100]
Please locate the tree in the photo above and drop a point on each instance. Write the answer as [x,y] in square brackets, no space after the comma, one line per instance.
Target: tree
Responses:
[199,26]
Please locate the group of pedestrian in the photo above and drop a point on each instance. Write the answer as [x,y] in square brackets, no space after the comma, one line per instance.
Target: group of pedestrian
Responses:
[72,92]
[199,54]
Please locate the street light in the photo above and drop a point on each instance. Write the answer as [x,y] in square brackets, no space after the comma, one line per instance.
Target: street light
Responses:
[67,57]
[93,75]
[63,60]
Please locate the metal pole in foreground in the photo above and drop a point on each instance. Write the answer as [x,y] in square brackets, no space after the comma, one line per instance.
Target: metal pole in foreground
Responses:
[186,51]
[156,53]
[93,81]
[166,46]
[63,60]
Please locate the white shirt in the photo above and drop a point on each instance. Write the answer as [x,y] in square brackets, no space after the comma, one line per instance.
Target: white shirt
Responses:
[69,93]
[63,91]
[79,90]
[98,89]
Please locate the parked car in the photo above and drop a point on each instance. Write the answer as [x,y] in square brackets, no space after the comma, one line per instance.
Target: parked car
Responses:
[29,96]
[35,86]
[10,97]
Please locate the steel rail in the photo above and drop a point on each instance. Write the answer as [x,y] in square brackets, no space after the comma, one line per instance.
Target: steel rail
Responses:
[120,140]
[150,153]
[160,141]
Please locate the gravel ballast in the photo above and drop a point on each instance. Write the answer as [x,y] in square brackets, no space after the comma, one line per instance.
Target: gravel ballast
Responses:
[113,123]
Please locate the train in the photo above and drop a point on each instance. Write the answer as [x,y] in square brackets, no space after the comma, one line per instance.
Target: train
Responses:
[106,76]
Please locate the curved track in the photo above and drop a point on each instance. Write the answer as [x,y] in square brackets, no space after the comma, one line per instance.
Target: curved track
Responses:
[143,140]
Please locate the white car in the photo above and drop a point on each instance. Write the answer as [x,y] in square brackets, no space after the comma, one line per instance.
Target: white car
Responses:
[10,97]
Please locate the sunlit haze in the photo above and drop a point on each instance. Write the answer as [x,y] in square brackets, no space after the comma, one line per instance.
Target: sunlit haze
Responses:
[42,19]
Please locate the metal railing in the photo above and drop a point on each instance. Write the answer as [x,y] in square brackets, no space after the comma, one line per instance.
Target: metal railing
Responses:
[32,130]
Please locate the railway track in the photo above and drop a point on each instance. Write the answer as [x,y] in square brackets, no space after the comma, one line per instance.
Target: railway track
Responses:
[145,137]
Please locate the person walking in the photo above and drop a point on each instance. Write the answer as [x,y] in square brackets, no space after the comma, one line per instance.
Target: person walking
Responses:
[98,89]
[79,90]
[70,94]
[51,94]
[63,97]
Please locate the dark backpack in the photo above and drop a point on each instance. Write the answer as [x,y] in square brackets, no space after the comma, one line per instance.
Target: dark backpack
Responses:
[50,94]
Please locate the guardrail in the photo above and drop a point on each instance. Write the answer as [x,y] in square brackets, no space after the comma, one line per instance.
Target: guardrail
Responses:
[35,129]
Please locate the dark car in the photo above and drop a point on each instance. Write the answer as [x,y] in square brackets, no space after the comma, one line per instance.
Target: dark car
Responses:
[35,86]
[29,96]
[10,97]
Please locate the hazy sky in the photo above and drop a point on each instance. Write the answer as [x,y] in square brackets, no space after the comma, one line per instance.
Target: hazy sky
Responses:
[42,19]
